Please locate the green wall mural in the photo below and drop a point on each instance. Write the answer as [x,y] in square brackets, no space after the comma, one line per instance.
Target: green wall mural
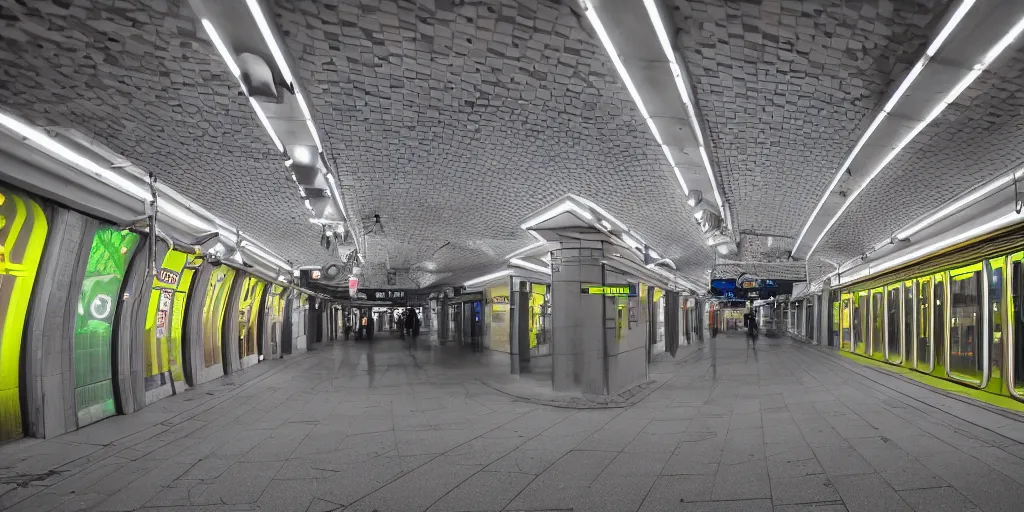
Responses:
[22,236]
[109,256]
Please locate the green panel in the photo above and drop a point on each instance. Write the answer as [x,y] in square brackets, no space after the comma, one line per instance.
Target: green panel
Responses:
[22,234]
[162,348]
[213,313]
[109,256]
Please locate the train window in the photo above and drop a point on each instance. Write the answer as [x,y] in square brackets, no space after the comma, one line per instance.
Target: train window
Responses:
[939,321]
[877,322]
[1018,325]
[924,320]
[892,326]
[909,308]
[965,351]
[995,315]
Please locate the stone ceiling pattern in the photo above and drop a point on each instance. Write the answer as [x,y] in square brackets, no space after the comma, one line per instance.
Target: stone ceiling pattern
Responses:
[135,76]
[454,123]
[784,86]
[976,139]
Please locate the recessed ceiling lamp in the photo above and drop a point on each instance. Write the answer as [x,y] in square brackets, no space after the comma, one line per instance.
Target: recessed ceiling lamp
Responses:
[992,54]
[951,24]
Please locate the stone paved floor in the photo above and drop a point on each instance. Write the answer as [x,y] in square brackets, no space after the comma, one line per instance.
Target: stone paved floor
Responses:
[787,427]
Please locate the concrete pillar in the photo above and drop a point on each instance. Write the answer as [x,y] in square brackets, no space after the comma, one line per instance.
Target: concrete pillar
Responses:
[600,342]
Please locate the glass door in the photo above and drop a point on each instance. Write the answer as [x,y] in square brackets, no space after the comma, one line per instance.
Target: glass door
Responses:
[109,256]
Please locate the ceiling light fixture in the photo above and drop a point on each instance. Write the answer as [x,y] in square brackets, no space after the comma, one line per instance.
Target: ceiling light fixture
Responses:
[556,211]
[955,206]
[219,45]
[950,98]
[309,120]
[526,249]
[529,266]
[58,150]
[268,37]
[266,123]
[488,277]
[951,24]
[609,48]
[601,212]
[264,254]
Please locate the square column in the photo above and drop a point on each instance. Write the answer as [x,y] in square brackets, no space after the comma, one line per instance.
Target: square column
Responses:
[600,342]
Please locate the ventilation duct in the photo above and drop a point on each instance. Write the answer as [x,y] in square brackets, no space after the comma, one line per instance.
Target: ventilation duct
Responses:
[257,77]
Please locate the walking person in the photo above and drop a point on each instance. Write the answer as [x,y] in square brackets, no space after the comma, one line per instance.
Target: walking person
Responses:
[750,322]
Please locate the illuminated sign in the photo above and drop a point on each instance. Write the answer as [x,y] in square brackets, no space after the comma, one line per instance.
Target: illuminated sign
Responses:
[385,294]
[613,291]
[314,275]
[749,284]
[499,299]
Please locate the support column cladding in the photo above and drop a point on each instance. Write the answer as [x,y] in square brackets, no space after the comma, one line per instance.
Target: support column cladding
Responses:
[593,349]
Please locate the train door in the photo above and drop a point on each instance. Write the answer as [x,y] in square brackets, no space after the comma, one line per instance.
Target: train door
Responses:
[996,310]
[924,325]
[23,229]
[846,339]
[893,324]
[109,257]
[909,322]
[877,348]
[966,352]
[1016,326]
[861,323]
[940,304]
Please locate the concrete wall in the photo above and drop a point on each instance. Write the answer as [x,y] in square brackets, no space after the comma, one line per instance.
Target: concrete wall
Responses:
[577,352]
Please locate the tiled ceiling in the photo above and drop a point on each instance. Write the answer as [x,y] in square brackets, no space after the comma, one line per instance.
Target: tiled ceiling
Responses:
[454,120]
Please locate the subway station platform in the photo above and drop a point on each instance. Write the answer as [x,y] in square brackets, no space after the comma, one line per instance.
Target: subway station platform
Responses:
[784,426]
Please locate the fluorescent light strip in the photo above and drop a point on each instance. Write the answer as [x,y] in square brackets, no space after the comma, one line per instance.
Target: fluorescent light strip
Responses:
[954,20]
[268,37]
[950,98]
[711,175]
[529,266]
[955,206]
[335,193]
[526,249]
[309,120]
[950,25]
[602,212]
[219,44]
[259,251]
[266,123]
[998,223]
[595,21]
[560,209]
[488,277]
[58,150]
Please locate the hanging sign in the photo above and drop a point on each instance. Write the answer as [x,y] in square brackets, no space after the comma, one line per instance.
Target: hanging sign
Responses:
[499,299]
[353,286]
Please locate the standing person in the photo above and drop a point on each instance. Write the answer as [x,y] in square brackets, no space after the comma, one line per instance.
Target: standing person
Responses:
[369,328]
[348,325]
[410,320]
